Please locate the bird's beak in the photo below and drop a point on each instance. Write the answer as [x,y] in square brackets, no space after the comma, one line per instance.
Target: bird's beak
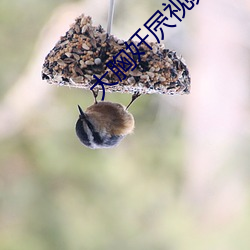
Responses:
[82,115]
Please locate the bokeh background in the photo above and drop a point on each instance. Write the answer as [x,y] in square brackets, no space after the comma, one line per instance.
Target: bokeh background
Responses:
[180,182]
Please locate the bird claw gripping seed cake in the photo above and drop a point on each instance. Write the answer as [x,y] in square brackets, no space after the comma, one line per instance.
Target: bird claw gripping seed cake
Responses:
[85,50]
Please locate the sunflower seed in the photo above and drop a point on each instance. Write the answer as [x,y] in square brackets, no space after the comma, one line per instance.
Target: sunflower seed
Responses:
[85,46]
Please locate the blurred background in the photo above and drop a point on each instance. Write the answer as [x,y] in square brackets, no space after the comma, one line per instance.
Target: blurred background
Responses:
[180,182]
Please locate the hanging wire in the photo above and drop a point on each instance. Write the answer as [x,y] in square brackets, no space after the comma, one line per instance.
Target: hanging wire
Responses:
[110,15]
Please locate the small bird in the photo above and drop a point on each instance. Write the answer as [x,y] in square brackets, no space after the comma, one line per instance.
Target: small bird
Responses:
[104,124]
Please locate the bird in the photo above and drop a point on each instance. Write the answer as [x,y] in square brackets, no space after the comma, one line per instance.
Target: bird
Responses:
[104,124]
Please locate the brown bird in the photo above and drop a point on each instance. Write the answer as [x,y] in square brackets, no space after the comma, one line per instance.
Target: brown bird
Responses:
[104,124]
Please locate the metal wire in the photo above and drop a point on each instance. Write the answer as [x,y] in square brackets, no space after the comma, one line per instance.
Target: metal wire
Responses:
[110,16]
